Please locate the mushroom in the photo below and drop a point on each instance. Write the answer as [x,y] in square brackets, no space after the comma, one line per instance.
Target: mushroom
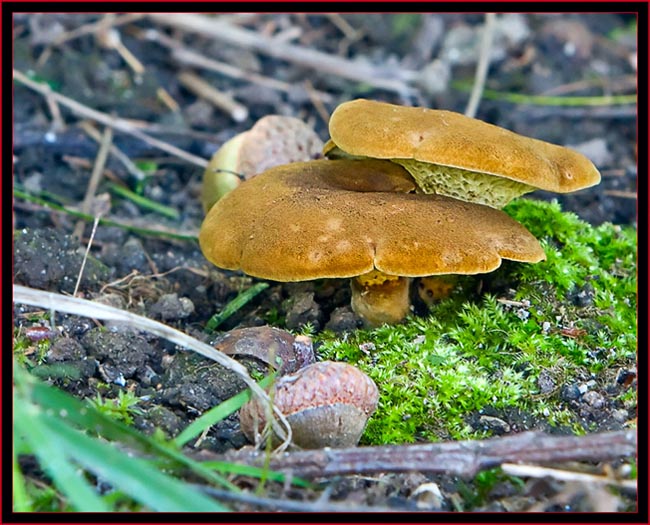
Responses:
[357,219]
[273,140]
[450,154]
[327,404]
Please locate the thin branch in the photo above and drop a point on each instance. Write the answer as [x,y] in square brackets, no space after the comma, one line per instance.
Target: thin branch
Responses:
[128,164]
[461,458]
[76,306]
[114,122]
[285,504]
[390,79]
[220,100]
[126,225]
[95,178]
[621,193]
[482,66]
[534,471]
[96,26]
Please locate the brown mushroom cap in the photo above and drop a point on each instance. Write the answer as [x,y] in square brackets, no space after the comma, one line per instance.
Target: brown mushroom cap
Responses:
[344,218]
[387,131]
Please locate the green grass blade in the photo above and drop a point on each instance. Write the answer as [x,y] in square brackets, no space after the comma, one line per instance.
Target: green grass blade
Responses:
[234,305]
[21,501]
[86,417]
[216,414]
[551,100]
[134,476]
[50,451]
[144,203]
[167,234]
[255,472]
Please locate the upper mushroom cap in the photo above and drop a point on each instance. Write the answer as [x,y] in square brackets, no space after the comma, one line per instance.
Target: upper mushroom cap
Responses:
[344,218]
[387,131]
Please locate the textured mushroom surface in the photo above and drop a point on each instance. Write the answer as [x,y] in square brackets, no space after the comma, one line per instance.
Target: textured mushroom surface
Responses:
[344,218]
[418,137]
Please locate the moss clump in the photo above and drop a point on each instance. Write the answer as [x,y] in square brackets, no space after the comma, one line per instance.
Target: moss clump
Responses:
[571,317]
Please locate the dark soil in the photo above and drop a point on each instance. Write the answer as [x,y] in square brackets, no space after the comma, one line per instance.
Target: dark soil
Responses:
[170,280]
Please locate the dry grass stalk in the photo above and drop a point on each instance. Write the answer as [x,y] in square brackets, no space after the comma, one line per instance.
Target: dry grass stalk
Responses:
[218,99]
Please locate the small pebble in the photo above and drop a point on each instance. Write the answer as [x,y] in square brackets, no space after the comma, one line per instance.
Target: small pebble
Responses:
[620,415]
[545,382]
[594,399]
[495,424]
[570,392]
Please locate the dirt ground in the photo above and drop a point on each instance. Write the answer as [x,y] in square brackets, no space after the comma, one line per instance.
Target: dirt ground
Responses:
[430,58]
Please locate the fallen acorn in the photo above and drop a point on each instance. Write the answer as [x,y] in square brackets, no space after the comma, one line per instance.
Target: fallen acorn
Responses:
[327,404]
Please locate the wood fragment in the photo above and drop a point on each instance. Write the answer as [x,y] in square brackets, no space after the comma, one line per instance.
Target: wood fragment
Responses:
[482,66]
[622,194]
[461,458]
[390,78]
[92,132]
[89,29]
[189,57]
[119,124]
[218,99]
[535,471]
[95,178]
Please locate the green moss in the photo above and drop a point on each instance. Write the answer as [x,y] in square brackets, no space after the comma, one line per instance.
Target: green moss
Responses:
[572,316]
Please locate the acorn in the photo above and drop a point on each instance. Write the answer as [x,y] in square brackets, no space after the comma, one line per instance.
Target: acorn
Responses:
[327,404]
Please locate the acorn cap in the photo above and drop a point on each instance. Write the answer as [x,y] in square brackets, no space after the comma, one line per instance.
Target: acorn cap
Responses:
[344,218]
[386,131]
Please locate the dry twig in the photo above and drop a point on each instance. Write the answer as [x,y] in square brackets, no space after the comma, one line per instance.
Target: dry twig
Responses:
[535,471]
[482,66]
[128,164]
[461,458]
[89,29]
[220,100]
[189,57]
[390,79]
[95,178]
[114,122]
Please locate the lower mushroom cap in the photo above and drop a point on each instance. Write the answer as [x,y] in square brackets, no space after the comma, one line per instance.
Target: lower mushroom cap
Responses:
[344,218]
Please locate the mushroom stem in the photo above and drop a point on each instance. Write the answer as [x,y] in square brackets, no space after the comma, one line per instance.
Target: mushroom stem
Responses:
[379,298]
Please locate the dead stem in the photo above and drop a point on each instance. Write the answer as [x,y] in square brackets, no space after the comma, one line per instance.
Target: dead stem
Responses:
[482,66]
[189,57]
[89,29]
[94,134]
[114,122]
[218,99]
[95,178]
[389,79]
[458,458]
[535,471]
